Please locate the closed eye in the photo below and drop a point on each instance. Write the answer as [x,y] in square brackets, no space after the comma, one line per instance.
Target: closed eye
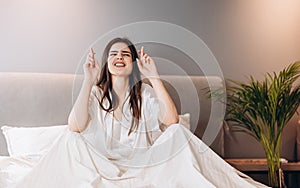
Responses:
[123,54]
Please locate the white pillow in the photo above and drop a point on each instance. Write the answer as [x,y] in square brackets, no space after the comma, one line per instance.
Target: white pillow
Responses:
[30,141]
[36,141]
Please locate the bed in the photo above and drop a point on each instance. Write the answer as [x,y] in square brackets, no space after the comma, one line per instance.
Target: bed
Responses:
[34,108]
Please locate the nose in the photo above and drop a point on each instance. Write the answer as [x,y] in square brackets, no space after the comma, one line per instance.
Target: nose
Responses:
[119,56]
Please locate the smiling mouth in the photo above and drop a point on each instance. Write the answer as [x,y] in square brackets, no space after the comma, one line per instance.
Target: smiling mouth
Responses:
[119,64]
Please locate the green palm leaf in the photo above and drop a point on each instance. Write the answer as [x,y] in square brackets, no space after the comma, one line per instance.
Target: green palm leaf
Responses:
[264,107]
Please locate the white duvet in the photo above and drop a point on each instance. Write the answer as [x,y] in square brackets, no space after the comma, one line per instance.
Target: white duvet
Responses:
[71,163]
[12,169]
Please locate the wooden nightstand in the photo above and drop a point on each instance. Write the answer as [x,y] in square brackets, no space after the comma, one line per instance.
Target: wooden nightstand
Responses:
[249,165]
[257,168]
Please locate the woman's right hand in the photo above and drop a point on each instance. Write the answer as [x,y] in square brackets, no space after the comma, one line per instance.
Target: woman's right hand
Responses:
[91,68]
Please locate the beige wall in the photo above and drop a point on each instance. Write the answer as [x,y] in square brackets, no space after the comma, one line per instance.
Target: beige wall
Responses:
[246,37]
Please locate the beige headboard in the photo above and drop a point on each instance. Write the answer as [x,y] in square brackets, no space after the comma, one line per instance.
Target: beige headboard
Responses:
[43,99]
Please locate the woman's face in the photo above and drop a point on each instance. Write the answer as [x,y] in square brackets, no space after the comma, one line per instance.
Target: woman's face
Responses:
[120,60]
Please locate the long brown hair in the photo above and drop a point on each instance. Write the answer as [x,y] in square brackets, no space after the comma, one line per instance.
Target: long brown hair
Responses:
[135,84]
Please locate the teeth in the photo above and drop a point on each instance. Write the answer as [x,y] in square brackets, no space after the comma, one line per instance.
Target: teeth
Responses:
[120,65]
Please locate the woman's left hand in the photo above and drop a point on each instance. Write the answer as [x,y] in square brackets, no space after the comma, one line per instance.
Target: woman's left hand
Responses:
[146,65]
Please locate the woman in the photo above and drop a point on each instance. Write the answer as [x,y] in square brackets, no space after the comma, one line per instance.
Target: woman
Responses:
[117,118]
[121,70]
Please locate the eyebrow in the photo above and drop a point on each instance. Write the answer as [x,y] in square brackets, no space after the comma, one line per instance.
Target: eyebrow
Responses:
[124,51]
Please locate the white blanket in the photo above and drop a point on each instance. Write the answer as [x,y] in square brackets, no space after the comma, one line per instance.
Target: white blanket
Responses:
[72,162]
[13,169]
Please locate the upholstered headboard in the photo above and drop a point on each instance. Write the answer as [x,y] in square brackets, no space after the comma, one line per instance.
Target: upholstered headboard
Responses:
[43,99]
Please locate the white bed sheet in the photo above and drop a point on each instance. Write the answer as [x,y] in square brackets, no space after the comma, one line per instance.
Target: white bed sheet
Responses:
[13,169]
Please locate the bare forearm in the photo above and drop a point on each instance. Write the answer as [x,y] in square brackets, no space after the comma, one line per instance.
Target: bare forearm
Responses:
[79,115]
[168,112]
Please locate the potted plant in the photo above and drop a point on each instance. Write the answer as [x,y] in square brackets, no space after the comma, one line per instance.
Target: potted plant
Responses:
[262,109]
